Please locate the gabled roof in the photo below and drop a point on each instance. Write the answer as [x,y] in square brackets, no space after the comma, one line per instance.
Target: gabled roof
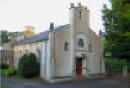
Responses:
[40,37]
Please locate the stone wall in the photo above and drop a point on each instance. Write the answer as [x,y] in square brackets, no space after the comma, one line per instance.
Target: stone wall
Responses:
[20,50]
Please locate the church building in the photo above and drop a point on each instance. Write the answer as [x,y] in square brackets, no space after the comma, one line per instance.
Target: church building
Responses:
[69,50]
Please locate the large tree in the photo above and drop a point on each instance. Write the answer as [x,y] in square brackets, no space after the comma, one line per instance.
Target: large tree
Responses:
[117,28]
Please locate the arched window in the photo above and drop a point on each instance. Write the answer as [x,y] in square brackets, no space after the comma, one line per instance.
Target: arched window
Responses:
[66,46]
[80,14]
[39,53]
[81,43]
[90,47]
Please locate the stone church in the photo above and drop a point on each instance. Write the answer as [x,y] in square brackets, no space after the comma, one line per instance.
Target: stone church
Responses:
[67,51]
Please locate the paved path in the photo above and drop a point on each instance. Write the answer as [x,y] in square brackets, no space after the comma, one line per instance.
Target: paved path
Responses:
[93,83]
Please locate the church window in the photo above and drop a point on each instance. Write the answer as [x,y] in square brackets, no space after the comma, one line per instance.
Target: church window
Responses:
[80,14]
[38,52]
[81,43]
[66,46]
[90,47]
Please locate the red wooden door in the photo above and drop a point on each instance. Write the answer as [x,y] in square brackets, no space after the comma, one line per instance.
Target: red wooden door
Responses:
[79,67]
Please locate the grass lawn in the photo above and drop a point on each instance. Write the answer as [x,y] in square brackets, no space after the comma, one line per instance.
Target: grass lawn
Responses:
[3,72]
[36,78]
[3,87]
[17,76]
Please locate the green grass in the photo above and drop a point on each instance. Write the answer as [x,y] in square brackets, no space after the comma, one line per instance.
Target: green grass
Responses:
[115,64]
[108,54]
[37,78]
[18,76]
[3,72]
[3,87]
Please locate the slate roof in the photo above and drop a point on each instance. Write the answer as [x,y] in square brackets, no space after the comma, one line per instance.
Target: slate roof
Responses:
[59,28]
[37,38]
[40,37]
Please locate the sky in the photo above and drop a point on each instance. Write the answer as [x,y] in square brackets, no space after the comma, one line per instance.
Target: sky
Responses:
[16,14]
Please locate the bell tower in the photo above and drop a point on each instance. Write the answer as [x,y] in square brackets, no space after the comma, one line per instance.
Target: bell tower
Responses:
[79,14]
[79,26]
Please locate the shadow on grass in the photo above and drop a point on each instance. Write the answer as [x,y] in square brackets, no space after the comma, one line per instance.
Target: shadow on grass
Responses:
[18,76]
[36,78]
[3,87]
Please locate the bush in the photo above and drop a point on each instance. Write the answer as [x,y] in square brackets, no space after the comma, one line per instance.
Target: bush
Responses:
[10,71]
[114,65]
[28,65]
[128,67]
[4,66]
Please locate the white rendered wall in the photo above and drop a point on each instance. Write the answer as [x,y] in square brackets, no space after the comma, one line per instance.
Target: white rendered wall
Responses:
[63,58]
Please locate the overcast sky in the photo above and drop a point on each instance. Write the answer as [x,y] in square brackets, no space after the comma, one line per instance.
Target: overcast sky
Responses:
[16,14]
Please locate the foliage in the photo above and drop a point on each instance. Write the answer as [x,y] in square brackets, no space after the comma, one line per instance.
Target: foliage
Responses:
[11,70]
[115,65]
[3,72]
[3,36]
[3,86]
[128,67]
[4,66]
[29,66]
[117,29]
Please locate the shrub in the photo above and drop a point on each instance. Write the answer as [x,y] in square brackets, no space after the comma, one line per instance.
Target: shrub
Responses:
[4,66]
[128,67]
[28,65]
[10,71]
[114,65]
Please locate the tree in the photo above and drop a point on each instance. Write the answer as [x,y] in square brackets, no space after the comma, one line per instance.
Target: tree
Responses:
[117,29]
[3,36]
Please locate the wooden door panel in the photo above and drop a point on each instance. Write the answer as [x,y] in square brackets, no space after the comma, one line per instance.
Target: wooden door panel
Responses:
[79,67]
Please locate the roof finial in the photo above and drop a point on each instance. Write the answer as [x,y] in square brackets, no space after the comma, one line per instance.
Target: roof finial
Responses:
[79,3]
[72,5]
[51,26]
[100,33]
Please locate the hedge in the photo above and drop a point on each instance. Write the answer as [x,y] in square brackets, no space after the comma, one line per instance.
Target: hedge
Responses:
[28,65]
[115,65]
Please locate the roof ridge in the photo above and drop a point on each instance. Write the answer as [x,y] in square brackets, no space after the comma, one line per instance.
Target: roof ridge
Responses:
[39,37]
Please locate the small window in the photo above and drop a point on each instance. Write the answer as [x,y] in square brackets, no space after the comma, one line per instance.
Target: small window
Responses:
[90,47]
[66,47]
[81,43]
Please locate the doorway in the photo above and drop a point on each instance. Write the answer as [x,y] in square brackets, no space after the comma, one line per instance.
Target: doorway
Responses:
[78,67]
